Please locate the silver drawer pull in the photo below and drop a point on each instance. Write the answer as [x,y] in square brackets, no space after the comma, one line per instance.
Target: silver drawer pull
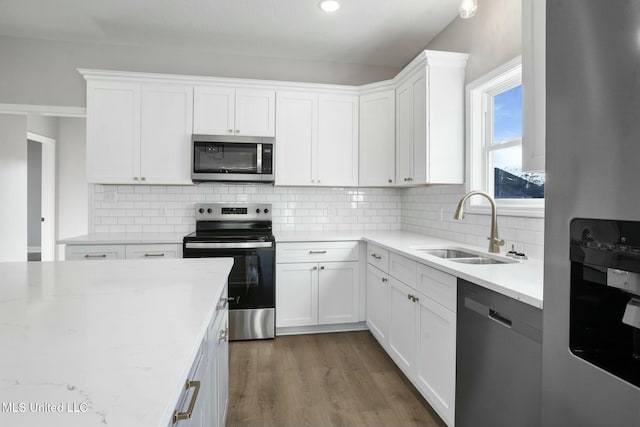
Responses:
[222,304]
[152,255]
[177,416]
[223,334]
[95,256]
[384,279]
[376,256]
[317,252]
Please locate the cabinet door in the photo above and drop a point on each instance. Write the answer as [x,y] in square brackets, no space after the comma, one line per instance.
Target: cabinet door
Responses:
[93,252]
[337,140]
[338,292]
[404,134]
[155,251]
[419,123]
[378,304]
[402,325]
[113,132]
[296,294]
[255,112]
[436,356]
[297,133]
[222,373]
[167,116]
[213,110]
[377,139]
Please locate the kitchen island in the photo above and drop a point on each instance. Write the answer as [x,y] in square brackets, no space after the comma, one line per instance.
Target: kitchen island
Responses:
[102,342]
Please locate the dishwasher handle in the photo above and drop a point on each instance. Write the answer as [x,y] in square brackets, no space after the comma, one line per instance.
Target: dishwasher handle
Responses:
[499,318]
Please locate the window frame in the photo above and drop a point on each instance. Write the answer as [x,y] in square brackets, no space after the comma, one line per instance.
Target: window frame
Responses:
[478,94]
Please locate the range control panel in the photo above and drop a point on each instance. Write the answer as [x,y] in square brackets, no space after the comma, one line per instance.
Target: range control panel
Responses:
[233,212]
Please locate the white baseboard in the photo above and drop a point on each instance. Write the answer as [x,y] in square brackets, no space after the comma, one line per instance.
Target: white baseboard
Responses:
[322,329]
[34,249]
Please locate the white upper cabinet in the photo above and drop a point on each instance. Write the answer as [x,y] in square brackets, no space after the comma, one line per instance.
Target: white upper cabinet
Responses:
[113,132]
[297,138]
[165,139]
[430,120]
[138,133]
[220,110]
[337,160]
[317,139]
[377,139]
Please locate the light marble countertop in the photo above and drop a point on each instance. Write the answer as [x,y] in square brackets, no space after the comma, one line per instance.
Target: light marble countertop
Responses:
[114,338]
[522,280]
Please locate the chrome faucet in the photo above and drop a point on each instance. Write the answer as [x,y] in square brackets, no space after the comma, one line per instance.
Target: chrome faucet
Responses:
[494,241]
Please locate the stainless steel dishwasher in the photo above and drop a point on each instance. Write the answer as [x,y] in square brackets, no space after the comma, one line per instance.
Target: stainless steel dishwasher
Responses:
[498,360]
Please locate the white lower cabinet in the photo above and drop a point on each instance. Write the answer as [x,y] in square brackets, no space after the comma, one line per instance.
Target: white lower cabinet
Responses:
[402,326]
[417,328]
[324,290]
[204,397]
[436,356]
[378,304]
[296,294]
[89,252]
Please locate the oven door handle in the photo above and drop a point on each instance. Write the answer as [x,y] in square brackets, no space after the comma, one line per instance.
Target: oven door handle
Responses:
[227,245]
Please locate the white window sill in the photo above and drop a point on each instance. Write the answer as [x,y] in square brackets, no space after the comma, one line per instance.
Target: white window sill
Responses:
[524,211]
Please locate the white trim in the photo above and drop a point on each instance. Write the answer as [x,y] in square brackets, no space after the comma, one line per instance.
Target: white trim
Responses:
[43,110]
[48,195]
[33,249]
[477,93]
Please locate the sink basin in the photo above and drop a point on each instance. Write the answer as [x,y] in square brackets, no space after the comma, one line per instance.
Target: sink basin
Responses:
[449,253]
[481,260]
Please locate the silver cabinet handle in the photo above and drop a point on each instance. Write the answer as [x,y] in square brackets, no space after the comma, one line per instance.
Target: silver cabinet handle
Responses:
[95,256]
[223,334]
[315,268]
[154,255]
[384,279]
[322,268]
[376,256]
[317,252]
[408,297]
[177,416]
[390,181]
[222,304]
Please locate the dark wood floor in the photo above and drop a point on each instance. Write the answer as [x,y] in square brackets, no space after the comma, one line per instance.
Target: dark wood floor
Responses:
[340,379]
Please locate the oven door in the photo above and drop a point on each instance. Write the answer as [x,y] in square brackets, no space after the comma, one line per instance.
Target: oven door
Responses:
[252,278]
[232,159]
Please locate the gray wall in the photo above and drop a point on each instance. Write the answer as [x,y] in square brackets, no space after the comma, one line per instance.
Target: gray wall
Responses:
[44,72]
[13,188]
[34,193]
[491,38]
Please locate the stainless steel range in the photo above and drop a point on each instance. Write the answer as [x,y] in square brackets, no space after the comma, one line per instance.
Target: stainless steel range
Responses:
[242,231]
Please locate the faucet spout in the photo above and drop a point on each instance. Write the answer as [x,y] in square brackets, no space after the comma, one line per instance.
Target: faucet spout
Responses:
[494,241]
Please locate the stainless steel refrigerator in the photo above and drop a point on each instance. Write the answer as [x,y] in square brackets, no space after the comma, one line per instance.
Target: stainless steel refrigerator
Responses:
[591,358]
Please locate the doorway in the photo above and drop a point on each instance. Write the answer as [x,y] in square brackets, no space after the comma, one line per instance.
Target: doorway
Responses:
[41,185]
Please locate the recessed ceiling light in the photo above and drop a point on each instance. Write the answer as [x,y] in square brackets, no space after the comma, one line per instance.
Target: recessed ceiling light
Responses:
[468,8]
[329,5]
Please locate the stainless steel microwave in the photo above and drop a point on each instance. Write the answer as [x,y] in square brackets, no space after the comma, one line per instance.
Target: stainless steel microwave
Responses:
[232,158]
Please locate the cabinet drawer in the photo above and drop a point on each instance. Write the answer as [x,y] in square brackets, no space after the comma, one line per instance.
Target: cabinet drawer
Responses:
[93,252]
[403,269]
[197,373]
[153,251]
[378,257]
[316,251]
[439,286]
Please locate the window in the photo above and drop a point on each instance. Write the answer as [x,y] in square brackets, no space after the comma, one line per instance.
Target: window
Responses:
[494,133]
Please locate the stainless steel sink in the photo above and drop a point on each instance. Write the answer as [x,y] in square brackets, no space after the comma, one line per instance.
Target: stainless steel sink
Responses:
[481,260]
[449,253]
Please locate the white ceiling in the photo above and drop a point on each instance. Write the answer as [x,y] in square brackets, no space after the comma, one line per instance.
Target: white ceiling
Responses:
[373,32]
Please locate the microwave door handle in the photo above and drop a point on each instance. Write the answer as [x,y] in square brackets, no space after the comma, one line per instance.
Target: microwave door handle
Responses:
[259,158]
